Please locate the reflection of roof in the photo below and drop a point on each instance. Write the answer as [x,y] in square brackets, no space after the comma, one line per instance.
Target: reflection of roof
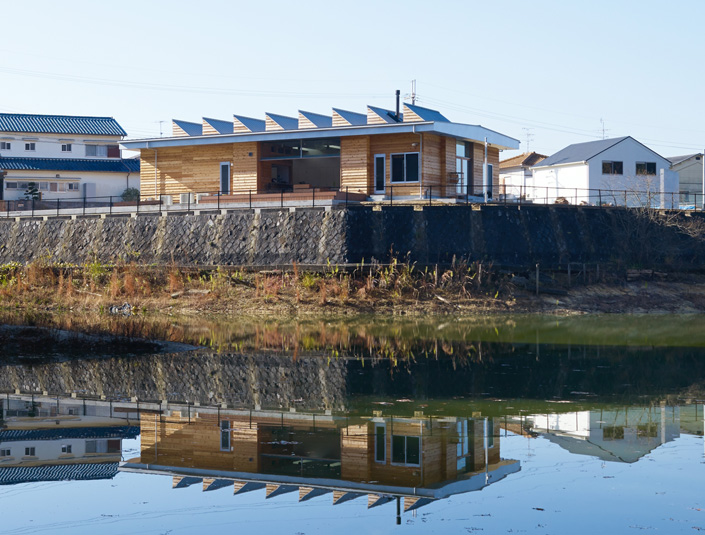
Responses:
[630,454]
[60,124]
[117,165]
[8,435]
[26,474]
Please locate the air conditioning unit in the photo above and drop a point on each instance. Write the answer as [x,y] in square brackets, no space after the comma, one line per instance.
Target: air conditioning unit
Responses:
[165,199]
[186,198]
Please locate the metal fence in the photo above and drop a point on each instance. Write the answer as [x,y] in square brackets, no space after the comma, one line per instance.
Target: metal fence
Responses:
[313,196]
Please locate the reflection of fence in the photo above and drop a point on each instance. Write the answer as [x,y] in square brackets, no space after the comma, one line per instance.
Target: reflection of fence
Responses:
[310,196]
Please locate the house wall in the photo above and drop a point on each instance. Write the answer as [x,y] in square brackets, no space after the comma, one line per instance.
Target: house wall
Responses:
[49,145]
[478,162]
[690,179]
[639,188]
[100,184]
[197,169]
[356,160]
[514,181]
[551,183]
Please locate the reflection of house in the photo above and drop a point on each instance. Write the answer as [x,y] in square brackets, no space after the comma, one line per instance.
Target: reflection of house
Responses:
[515,174]
[609,171]
[65,156]
[690,177]
[420,459]
[410,150]
[622,435]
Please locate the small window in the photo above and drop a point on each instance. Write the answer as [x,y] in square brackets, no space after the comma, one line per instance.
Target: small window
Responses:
[73,186]
[66,448]
[53,186]
[380,443]
[30,146]
[4,145]
[10,185]
[406,450]
[29,452]
[43,186]
[97,150]
[405,167]
[645,168]
[5,453]
[113,151]
[612,168]
[225,435]
[66,147]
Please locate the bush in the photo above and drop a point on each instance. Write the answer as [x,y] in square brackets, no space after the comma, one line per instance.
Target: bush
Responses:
[130,194]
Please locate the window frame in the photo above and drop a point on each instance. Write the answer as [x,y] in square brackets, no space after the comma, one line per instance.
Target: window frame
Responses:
[66,147]
[646,168]
[383,459]
[613,166]
[30,451]
[405,179]
[30,146]
[225,430]
[5,145]
[406,450]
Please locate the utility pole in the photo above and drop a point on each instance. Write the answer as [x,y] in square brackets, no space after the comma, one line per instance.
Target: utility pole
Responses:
[529,137]
[413,92]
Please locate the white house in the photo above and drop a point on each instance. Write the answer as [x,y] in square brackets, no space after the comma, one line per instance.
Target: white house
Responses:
[619,171]
[515,174]
[67,157]
[690,177]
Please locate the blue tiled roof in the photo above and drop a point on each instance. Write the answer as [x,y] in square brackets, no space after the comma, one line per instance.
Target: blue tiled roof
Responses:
[427,114]
[255,125]
[124,165]
[60,124]
[192,129]
[223,127]
[355,119]
[321,121]
[125,431]
[11,475]
[580,152]
[387,115]
[287,123]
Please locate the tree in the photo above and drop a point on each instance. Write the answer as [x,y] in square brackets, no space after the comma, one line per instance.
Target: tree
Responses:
[32,192]
[130,194]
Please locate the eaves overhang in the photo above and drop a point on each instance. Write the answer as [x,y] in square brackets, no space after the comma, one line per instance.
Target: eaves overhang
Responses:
[460,131]
[566,164]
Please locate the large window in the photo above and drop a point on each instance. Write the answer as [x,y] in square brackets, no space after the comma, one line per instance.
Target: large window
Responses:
[300,148]
[5,145]
[103,151]
[405,167]
[406,450]
[645,168]
[612,168]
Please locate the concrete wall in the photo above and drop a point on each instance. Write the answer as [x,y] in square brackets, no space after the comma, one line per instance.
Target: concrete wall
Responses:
[503,235]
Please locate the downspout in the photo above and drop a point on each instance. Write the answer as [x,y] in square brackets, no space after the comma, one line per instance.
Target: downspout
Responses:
[484,173]
[156,194]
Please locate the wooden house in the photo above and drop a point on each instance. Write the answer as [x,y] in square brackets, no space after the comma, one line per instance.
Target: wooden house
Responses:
[414,152]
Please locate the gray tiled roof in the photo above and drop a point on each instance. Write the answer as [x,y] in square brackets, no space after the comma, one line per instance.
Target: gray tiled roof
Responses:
[7,435]
[117,165]
[11,475]
[675,160]
[580,152]
[60,124]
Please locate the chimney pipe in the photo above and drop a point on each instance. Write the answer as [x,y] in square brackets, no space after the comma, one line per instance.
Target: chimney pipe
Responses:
[398,93]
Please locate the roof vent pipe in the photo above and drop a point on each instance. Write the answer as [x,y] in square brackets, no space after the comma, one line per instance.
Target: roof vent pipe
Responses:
[397,116]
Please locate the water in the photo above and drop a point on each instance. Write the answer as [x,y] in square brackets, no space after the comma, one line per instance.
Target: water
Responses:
[500,425]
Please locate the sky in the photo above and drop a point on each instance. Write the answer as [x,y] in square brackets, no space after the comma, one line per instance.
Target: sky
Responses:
[547,73]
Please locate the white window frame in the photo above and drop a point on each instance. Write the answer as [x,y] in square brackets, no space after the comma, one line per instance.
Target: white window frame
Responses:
[6,452]
[66,449]
[30,451]
[225,191]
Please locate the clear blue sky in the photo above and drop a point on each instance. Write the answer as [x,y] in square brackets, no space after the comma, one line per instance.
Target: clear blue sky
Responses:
[554,67]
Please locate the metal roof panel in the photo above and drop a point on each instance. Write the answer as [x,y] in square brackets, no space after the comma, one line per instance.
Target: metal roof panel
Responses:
[60,124]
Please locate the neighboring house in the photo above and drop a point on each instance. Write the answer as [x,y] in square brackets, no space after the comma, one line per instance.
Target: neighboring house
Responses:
[690,177]
[67,157]
[414,153]
[515,174]
[615,171]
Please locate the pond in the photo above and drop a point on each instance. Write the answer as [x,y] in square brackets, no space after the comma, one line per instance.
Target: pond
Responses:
[376,425]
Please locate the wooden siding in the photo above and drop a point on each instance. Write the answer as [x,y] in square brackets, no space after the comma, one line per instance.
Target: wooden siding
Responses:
[338,120]
[238,126]
[356,164]
[410,116]
[478,164]
[208,129]
[196,169]
[177,131]
[373,118]
[450,166]
[433,162]
[271,125]
[304,122]
[389,144]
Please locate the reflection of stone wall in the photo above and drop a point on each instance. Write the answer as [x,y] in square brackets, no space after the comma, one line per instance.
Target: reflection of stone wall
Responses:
[503,235]
[266,380]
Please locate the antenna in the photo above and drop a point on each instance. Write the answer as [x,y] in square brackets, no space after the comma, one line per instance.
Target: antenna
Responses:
[529,137]
[604,130]
[161,134]
[412,95]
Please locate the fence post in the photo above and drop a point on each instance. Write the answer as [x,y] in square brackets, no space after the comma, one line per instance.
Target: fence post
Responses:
[188,203]
[138,204]
[57,207]
[625,198]
[599,194]
[84,205]
[313,196]
[111,205]
[32,207]
[545,203]
[576,195]
[430,194]
[219,200]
